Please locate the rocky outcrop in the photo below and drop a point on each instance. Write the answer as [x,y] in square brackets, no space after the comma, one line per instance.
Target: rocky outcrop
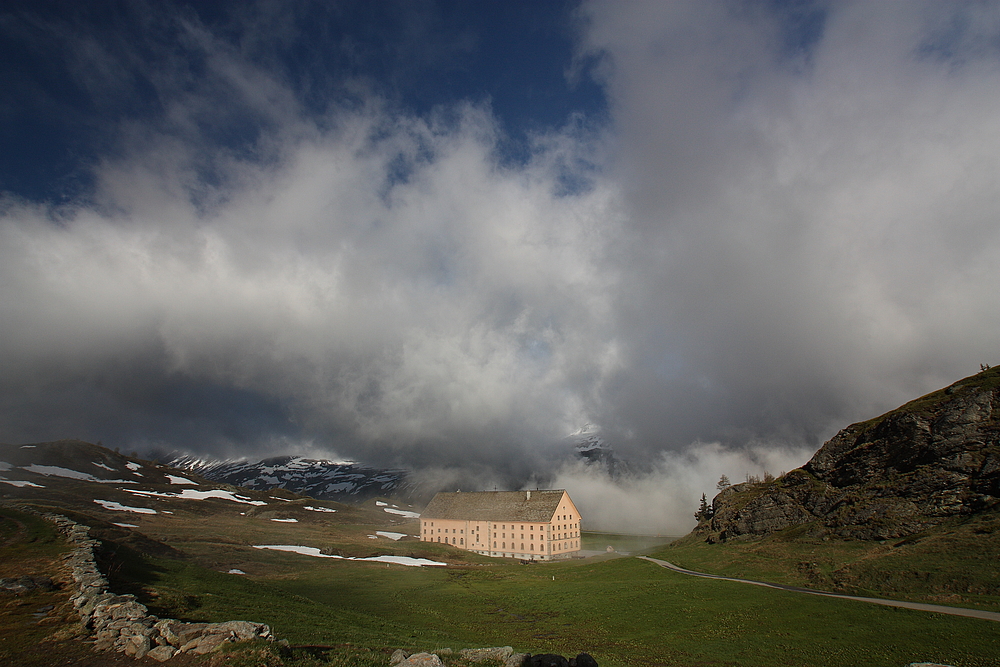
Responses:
[932,459]
[121,623]
[497,654]
[21,585]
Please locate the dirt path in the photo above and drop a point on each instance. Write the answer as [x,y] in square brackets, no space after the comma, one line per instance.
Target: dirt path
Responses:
[919,606]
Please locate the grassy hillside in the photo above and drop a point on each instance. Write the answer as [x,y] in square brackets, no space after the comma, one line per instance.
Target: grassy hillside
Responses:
[624,611]
[38,627]
[955,563]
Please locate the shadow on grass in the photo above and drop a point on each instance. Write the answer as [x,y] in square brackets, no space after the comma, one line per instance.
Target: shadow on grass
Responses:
[130,571]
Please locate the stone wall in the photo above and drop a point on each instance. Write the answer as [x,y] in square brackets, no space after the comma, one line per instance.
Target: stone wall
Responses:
[121,623]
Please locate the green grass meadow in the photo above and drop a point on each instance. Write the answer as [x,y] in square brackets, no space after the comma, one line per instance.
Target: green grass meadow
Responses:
[954,564]
[620,609]
[624,611]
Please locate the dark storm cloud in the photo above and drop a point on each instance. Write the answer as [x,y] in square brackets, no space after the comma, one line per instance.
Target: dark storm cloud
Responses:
[788,224]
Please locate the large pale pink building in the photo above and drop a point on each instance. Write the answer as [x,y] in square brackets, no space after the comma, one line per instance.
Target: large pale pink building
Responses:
[531,525]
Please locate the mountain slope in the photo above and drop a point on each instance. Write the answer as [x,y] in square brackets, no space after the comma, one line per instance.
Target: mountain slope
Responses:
[90,479]
[326,480]
[590,447]
[930,460]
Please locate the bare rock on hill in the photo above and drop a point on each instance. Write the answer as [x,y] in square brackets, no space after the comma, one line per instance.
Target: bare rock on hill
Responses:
[21,585]
[161,653]
[934,458]
[421,660]
[496,653]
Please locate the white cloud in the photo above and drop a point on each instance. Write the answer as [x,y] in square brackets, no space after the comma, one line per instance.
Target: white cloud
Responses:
[663,499]
[811,233]
[398,303]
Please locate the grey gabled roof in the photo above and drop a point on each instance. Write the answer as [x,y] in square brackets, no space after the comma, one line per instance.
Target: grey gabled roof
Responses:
[495,505]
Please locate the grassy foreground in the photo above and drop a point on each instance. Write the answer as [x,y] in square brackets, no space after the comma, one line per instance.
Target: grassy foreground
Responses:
[622,610]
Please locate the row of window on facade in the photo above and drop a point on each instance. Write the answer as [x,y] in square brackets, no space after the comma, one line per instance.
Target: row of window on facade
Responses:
[558,536]
[502,527]
[461,531]
[503,545]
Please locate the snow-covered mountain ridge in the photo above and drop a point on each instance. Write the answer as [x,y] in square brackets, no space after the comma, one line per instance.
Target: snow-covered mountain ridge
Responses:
[595,451]
[345,481]
[317,478]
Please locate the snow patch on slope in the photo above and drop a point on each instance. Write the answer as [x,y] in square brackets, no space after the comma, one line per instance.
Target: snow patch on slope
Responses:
[118,507]
[193,494]
[19,483]
[313,551]
[174,479]
[408,514]
[56,471]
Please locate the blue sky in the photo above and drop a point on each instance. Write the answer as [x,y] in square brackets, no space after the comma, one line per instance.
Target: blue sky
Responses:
[444,235]
[75,71]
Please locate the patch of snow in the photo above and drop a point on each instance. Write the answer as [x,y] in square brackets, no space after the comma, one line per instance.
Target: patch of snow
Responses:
[379,503]
[284,500]
[27,446]
[166,511]
[409,561]
[408,514]
[194,494]
[17,482]
[174,479]
[118,507]
[391,536]
[305,551]
[286,520]
[56,471]
[101,465]
[373,537]
[313,551]
[127,525]
[235,571]
[133,466]
[5,466]
[318,509]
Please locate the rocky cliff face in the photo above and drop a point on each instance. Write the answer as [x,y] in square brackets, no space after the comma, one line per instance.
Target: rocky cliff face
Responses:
[934,458]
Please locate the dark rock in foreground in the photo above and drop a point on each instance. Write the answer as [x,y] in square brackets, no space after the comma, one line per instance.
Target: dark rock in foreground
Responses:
[503,654]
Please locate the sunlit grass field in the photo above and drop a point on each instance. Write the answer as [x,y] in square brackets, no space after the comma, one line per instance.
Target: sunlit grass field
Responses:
[624,611]
[620,609]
